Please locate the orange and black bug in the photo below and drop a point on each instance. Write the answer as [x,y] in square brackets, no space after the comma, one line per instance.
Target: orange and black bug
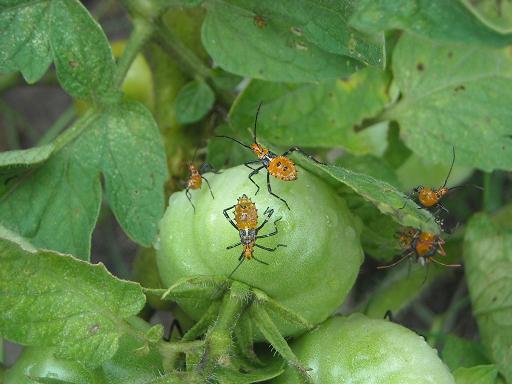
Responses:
[246,223]
[260,21]
[195,180]
[430,197]
[279,166]
[423,246]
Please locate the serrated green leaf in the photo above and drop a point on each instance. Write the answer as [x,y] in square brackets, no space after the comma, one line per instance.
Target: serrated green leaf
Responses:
[384,196]
[459,352]
[51,299]
[481,374]
[193,102]
[437,19]
[25,157]
[82,54]
[496,14]
[454,95]
[55,205]
[488,266]
[131,157]
[288,40]
[313,115]
[24,44]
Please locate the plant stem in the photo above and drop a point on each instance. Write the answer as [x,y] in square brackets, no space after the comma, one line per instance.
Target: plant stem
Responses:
[142,31]
[76,129]
[186,59]
[58,126]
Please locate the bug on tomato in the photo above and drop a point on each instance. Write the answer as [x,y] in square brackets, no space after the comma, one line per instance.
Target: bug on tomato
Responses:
[423,246]
[195,179]
[246,223]
[430,198]
[260,21]
[279,166]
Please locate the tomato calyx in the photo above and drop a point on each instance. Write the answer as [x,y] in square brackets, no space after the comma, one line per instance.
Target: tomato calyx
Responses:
[227,326]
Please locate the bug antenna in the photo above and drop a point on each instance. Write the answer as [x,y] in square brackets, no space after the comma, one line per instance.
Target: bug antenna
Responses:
[238,266]
[256,121]
[451,167]
[232,138]
[467,185]
[395,263]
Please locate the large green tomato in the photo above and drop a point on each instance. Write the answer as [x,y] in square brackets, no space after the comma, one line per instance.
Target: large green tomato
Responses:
[360,350]
[40,363]
[311,276]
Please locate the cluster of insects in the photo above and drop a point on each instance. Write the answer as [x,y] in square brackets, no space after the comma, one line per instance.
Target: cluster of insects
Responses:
[419,246]
[245,213]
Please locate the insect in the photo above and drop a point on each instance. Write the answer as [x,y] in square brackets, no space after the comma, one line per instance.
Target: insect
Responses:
[260,21]
[246,223]
[423,246]
[279,166]
[430,197]
[195,180]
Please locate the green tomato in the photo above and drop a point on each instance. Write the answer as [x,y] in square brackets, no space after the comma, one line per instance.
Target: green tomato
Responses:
[311,276]
[132,364]
[360,350]
[38,362]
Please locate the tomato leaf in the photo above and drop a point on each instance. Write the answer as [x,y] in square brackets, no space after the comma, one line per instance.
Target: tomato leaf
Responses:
[193,102]
[488,265]
[82,54]
[383,195]
[480,374]
[25,157]
[436,19]
[459,352]
[52,299]
[287,40]
[314,115]
[24,44]
[132,159]
[454,95]
[496,15]
[55,205]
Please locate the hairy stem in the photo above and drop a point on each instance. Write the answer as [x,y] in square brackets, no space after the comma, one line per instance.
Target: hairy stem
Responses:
[142,31]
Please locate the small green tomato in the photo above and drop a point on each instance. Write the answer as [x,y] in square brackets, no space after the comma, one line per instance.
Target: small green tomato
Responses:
[311,275]
[360,350]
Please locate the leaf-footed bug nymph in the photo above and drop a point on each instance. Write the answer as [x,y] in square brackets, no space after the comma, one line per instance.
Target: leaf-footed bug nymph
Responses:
[279,166]
[195,179]
[246,223]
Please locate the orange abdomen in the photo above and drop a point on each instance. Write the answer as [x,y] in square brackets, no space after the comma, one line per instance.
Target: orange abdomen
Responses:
[427,197]
[426,244]
[195,182]
[282,168]
[246,214]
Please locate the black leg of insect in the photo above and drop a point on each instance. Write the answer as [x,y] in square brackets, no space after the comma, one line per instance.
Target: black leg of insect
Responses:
[279,166]
[209,187]
[388,315]
[175,324]
[405,256]
[189,197]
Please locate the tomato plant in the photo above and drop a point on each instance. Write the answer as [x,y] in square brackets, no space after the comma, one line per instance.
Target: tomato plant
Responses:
[105,105]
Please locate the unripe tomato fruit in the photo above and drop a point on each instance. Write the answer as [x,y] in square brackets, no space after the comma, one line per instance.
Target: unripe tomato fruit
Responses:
[360,350]
[311,276]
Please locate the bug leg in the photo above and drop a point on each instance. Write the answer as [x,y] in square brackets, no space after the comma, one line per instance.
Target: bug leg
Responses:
[405,256]
[409,196]
[271,233]
[273,194]
[426,274]
[442,207]
[241,258]
[297,149]
[175,324]
[388,315]
[270,249]
[248,163]
[269,213]
[209,187]
[260,261]
[255,172]
[189,197]
[225,212]
[207,167]
[233,246]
